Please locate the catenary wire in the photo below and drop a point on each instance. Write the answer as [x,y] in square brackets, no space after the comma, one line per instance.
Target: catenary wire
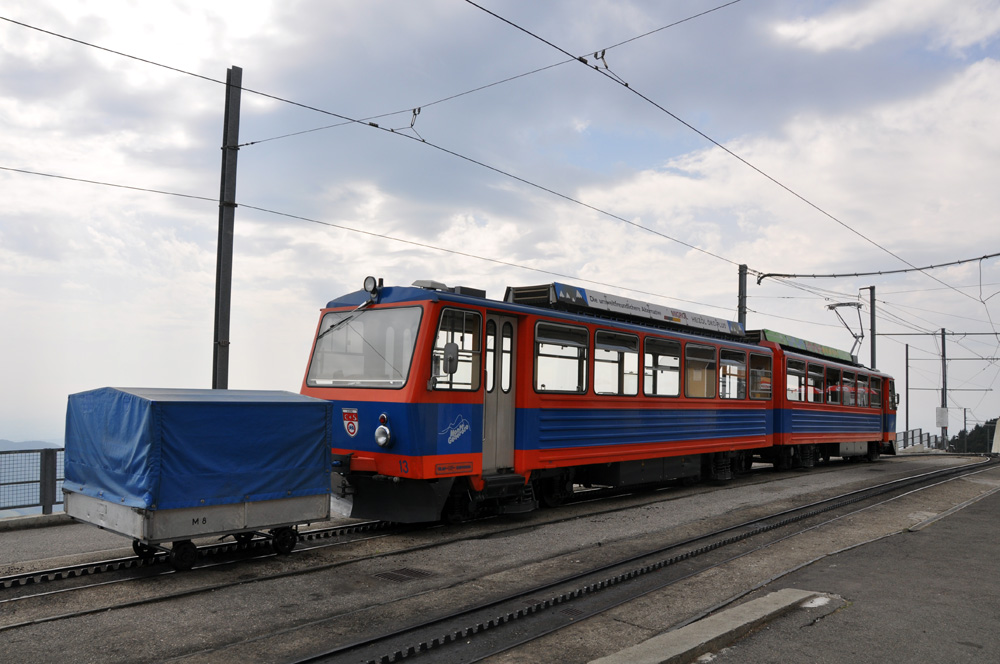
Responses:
[349,120]
[761,277]
[351,229]
[774,180]
[501,81]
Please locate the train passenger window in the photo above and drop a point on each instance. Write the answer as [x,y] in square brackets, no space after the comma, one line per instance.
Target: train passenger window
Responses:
[491,349]
[732,374]
[616,363]
[832,385]
[876,392]
[463,328]
[662,368]
[796,381]
[760,376]
[699,371]
[561,358]
[814,387]
[506,353]
[366,348]
[848,389]
[862,390]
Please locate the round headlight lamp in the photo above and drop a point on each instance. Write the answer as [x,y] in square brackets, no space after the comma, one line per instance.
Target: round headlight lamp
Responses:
[383,437]
[371,287]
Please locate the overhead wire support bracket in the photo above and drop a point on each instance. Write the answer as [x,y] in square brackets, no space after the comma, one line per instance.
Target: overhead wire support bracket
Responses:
[413,121]
[599,56]
[762,277]
[860,336]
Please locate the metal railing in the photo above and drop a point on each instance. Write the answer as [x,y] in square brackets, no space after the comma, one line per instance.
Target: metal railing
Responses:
[915,437]
[31,478]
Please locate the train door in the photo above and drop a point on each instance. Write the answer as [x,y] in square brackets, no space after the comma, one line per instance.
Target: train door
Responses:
[498,410]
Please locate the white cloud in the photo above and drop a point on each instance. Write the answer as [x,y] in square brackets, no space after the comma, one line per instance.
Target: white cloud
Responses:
[858,27]
[898,173]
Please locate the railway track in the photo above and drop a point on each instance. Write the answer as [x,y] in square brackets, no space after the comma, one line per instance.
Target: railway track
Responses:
[235,549]
[228,550]
[500,624]
[155,562]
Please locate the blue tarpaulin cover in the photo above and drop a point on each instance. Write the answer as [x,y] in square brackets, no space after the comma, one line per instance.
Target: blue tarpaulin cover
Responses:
[156,448]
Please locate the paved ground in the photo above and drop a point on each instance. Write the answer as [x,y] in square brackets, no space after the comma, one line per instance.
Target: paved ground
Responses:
[927,594]
[924,596]
[932,595]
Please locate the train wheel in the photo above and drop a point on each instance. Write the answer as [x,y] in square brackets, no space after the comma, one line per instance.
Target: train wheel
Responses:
[807,456]
[284,540]
[183,555]
[720,466]
[742,462]
[555,491]
[872,452]
[461,504]
[784,457]
[143,550]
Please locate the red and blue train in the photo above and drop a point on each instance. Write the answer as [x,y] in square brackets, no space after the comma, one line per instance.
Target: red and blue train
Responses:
[450,405]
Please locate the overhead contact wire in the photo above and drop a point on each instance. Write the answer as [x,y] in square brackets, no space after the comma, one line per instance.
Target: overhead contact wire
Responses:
[711,140]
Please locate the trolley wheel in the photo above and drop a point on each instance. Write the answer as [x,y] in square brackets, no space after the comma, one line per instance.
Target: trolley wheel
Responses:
[143,550]
[284,540]
[183,555]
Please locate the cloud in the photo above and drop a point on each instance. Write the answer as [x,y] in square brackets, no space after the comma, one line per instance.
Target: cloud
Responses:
[895,173]
[865,24]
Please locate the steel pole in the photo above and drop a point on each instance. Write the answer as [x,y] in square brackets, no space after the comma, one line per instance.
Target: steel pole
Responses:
[227,218]
[944,385]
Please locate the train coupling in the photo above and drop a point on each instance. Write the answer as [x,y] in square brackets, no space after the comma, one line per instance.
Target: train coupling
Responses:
[341,463]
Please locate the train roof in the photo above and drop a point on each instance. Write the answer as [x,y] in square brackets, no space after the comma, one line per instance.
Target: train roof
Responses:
[572,302]
[581,304]
[789,342]
[590,302]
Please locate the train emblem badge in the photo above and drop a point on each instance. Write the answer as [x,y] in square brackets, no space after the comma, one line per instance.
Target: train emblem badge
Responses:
[350,421]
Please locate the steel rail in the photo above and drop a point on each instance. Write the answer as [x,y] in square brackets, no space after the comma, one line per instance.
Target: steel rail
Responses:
[159,557]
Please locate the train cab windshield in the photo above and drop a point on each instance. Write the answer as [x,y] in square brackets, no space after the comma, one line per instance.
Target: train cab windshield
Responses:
[367,348]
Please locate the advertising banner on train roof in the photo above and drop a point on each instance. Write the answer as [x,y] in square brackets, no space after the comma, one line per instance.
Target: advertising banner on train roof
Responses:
[624,305]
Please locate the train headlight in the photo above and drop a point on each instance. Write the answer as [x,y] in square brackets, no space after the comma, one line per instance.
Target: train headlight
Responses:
[383,437]
[372,287]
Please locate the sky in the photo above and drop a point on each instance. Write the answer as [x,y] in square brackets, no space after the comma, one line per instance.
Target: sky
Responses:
[796,137]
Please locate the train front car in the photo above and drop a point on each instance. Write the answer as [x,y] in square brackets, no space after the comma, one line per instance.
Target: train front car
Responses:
[451,405]
[403,369]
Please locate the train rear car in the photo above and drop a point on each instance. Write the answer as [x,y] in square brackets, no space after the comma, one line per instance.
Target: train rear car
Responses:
[830,406]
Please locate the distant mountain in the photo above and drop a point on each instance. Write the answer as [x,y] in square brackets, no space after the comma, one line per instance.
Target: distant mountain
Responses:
[11,446]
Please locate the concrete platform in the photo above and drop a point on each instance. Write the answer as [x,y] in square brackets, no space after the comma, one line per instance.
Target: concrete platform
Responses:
[928,594]
[712,633]
[38,521]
